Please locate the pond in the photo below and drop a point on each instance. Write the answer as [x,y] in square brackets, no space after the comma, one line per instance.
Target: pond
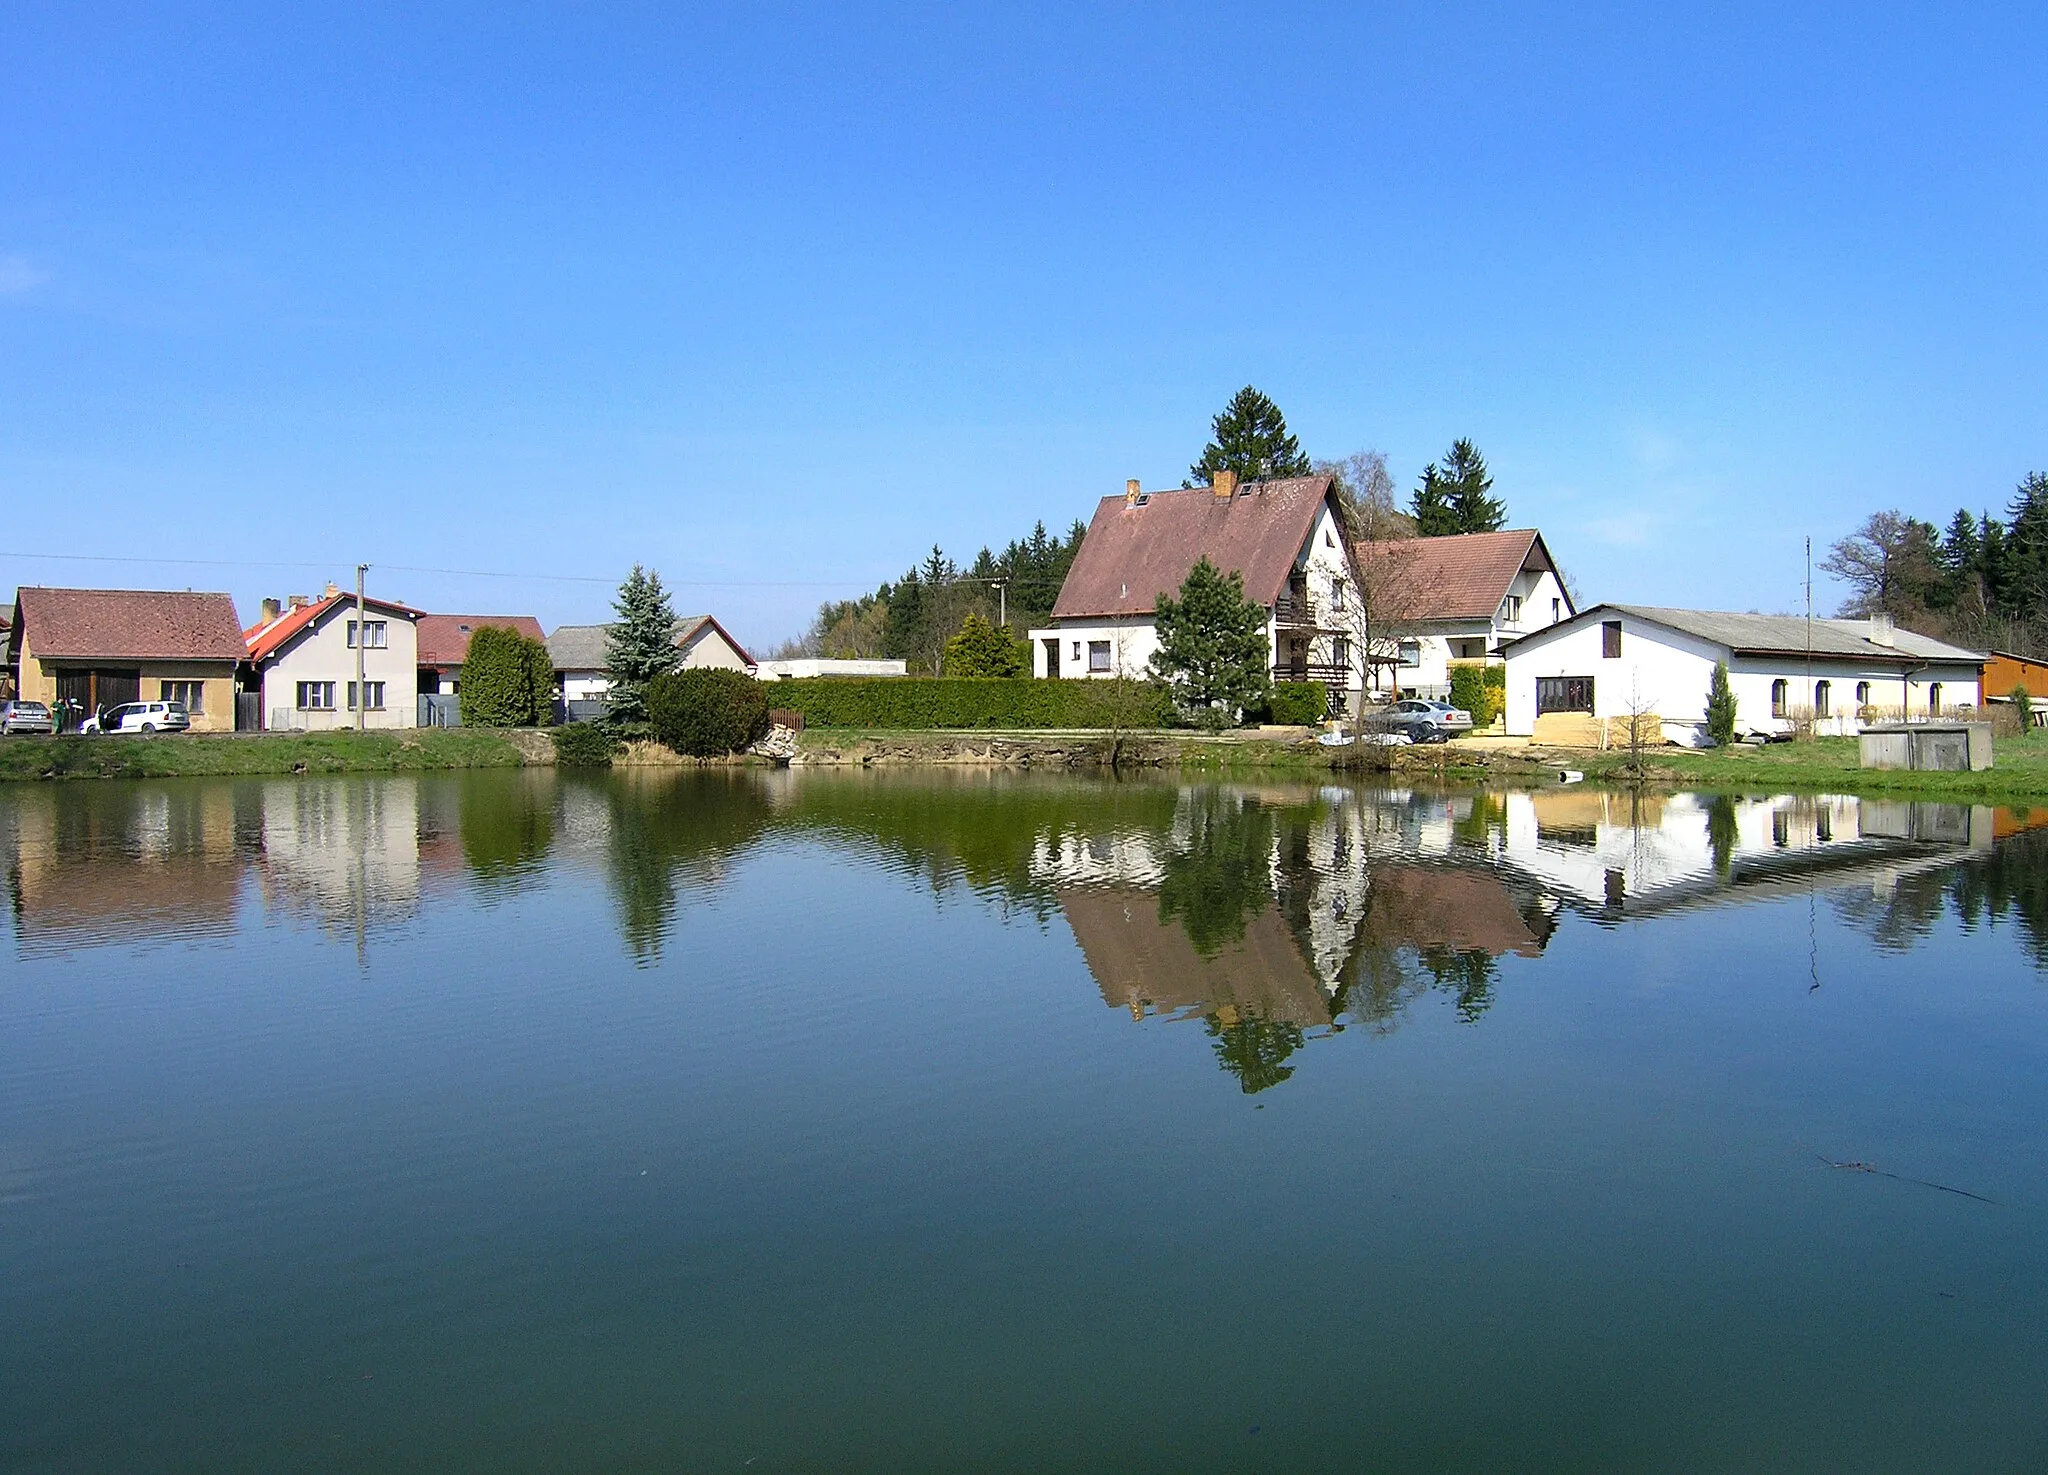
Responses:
[846,1121]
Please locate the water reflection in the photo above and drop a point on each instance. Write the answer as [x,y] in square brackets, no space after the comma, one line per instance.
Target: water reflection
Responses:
[1272,914]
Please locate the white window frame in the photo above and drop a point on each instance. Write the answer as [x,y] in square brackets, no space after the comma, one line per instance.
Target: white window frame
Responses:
[1098,648]
[316,696]
[375,694]
[377,633]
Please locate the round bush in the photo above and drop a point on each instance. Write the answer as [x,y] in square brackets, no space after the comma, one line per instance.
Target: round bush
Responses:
[584,745]
[708,712]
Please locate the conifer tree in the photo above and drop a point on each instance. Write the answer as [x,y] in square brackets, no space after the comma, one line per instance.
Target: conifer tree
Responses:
[1249,437]
[1720,707]
[1212,645]
[642,645]
[983,648]
[1456,497]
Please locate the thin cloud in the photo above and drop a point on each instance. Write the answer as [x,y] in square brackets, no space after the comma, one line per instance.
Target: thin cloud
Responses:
[18,275]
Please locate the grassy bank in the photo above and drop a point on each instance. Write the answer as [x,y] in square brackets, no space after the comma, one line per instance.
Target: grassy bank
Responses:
[253,753]
[2019,775]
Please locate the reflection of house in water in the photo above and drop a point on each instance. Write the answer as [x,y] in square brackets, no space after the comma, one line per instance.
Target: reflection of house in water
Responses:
[344,852]
[92,864]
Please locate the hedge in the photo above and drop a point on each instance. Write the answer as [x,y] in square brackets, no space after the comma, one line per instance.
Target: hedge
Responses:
[584,745]
[1299,703]
[907,702]
[708,711]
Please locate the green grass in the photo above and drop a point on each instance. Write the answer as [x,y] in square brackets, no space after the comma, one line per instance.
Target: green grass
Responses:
[2019,771]
[170,756]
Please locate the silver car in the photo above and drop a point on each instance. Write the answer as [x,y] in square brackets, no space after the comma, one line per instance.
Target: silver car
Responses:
[26,717]
[142,717]
[1422,722]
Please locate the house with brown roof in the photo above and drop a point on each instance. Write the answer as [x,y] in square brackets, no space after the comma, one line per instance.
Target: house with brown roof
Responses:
[97,648]
[444,645]
[579,653]
[1439,602]
[304,654]
[1285,538]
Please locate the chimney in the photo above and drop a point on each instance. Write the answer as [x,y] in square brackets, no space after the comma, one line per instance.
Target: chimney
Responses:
[331,590]
[272,612]
[1131,492]
[1224,485]
[1883,631]
[297,601]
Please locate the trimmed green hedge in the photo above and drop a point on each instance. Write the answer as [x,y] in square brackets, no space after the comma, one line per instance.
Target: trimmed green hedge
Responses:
[584,745]
[908,702]
[1299,703]
[708,711]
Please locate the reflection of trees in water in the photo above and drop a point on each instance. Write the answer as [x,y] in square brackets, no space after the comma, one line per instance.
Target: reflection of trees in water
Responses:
[670,830]
[507,823]
[1722,834]
[1253,1049]
[1223,875]
[1468,977]
[2009,881]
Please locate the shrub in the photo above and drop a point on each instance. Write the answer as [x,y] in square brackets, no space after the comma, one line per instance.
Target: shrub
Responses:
[982,649]
[1472,690]
[584,745]
[707,712]
[1299,703]
[1720,707]
[507,680]
[923,702]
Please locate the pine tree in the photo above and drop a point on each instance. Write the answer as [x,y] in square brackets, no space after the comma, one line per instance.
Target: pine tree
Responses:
[1960,557]
[1456,498]
[1212,645]
[642,645]
[1249,437]
[2026,549]
[1721,707]
[983,649]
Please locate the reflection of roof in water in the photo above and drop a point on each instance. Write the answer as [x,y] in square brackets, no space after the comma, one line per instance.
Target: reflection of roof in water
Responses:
[1149,966]
[112,899]
[1466,910]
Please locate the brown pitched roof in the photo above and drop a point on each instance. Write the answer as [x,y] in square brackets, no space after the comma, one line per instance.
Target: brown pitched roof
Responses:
[1135,552]
[129,625]
[1463,577]
[444,639]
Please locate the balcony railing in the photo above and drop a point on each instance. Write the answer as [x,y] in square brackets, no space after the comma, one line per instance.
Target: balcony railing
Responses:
[1312,671]
[1291,612]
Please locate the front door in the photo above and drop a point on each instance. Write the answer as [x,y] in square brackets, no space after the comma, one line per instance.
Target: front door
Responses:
[1052,658]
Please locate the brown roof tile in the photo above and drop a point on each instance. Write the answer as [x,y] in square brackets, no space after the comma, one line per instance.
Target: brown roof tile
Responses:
[129,625]
[444,639]
[1463,577]
[1134,553]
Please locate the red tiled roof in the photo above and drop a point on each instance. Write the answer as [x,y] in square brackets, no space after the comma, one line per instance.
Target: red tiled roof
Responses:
[1463,577]
[1135,552]
[265,640]
[444,639]
[129,625]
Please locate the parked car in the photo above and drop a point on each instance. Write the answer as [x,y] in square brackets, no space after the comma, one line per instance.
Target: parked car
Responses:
[1421,722]
[26,717]
[144,717]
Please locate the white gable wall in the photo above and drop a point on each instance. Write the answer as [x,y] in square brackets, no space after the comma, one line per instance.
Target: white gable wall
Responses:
[322,653]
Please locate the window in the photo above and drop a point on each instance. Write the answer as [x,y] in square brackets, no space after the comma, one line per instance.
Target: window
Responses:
[1336,593]
[1098,655]
[191,693]
[1820,699]
[316,696]
[1778,698]
[1556,610]
[1411,652]
[1610,640]
[375,689]
[1511,609]
[1933,697]
[1564,694]
[1340,650]
[1077,650]
[377,634]
[1862,693]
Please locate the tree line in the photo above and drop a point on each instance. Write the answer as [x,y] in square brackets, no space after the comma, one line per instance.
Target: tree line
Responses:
[943,618]
[1980,582]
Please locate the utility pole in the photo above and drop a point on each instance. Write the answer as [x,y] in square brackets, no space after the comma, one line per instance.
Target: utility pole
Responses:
[1811,691]
[1002,601]
[362,639]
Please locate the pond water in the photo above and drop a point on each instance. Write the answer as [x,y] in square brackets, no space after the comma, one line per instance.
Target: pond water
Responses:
[849,1121]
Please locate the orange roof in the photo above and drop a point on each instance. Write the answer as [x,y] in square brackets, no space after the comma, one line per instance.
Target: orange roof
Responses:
[264,641]
[1462,577]
[444,639]
[1137,550]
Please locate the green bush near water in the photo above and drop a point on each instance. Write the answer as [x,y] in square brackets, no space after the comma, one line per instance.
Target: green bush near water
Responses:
[707,712]
[919,702]
[1298,703]
[508,680]
[1480,690]
[584,745]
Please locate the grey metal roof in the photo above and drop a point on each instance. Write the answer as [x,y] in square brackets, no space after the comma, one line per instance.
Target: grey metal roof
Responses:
[1787,635]
[584,647]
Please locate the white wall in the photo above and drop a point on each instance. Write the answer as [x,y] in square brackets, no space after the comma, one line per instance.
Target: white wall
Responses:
[1667,673]
[708,648]
[1131,642]
[803,667]
[322,653]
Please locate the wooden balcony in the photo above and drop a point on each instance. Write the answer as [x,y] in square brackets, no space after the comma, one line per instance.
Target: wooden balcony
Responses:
[1312,671]
[1292,612]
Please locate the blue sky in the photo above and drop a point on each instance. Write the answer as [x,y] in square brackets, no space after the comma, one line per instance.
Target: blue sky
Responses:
[772,297]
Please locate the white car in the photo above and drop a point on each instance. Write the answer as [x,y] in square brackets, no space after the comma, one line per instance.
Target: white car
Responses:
[144,717]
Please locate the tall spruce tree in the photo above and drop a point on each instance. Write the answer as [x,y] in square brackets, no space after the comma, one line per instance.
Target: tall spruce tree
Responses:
[642,645]
[1456,497]
[1249,437]
[1212,645]
[1720,706]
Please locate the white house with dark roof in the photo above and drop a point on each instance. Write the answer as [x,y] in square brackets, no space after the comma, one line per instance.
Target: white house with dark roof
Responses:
[1286,540]
[579,654]
[1615,660]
